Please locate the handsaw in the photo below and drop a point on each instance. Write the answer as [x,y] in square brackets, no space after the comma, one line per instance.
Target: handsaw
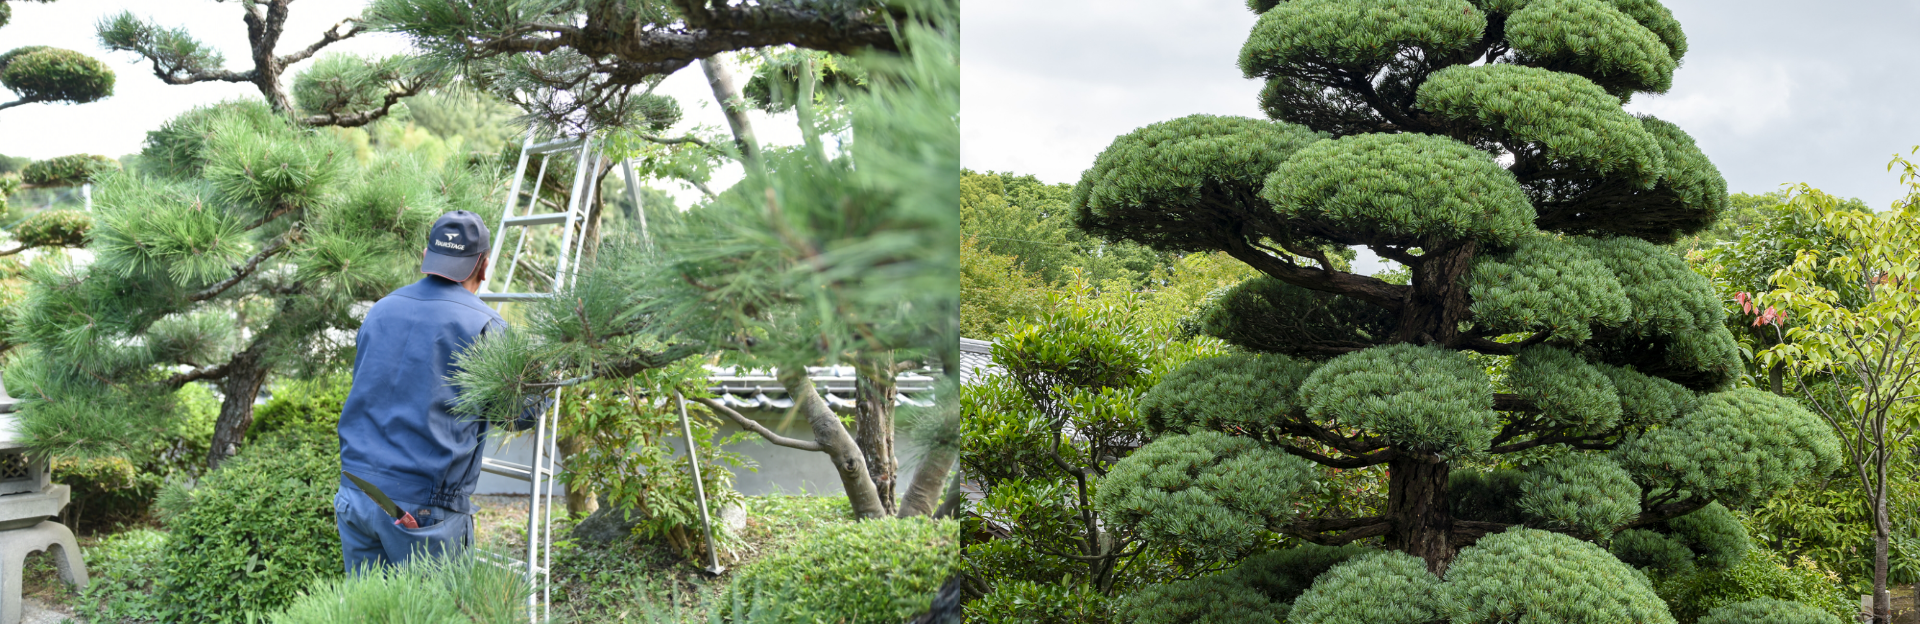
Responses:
[401,518]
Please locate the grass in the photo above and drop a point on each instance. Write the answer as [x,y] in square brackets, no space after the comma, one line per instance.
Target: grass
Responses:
[633,581]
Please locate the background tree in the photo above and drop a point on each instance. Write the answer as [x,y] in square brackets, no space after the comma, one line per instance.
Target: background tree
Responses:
[341,90]
[1392,132]
[1864,342]
[252,240]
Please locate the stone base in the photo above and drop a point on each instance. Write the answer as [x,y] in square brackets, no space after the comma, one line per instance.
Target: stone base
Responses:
[19,511]
[15,545]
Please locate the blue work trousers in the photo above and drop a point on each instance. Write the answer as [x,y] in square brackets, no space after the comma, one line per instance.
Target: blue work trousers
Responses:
[369,537]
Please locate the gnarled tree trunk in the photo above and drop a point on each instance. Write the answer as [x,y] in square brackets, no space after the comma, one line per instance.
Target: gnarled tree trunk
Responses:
[835,442]
[873,395]
[1417,507]
[246,372]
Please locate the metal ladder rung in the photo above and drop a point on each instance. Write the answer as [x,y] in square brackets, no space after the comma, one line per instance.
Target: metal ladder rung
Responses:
[492,297]
[537,219]
[555,145]
[509,469]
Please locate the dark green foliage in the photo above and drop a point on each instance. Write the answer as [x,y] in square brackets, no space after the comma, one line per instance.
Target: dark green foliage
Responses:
[1423,398]
[1027,602]
[1694,193]
[1220,598]
[1655,552]
[1283,574]
[1401,187]
[122,570]
[1266,314]
[71,170]
[1485,496]
[1357,38]
[1234,393]
[1213,492]
[1569,390]
[1528,576]
[1677,330]
[1584,495]
[1594,39]
[881,570]
[1381,588]
[1179,185]
[1738,446]
[1546,284]
[8,56]
[308,406]
[775,85]
[342,84]
[1712,533]
[255,532]
[54,228]
[56,75]
[1768,611]
[464,590]
[1566,117]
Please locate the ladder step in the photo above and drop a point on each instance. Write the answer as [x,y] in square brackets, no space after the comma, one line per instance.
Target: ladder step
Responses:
[492,297]
[537,219]
[554,146]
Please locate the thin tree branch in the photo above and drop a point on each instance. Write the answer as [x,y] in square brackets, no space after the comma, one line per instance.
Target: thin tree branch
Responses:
[243,271]
[769,435]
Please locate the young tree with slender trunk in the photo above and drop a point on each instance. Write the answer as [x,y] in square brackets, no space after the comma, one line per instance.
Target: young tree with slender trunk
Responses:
[1854,326]
[1482,145]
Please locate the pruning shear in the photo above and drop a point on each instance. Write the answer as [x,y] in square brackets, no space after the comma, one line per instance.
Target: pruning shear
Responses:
[400,518]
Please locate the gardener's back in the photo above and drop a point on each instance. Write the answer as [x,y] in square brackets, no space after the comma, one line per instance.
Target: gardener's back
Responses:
[397,429]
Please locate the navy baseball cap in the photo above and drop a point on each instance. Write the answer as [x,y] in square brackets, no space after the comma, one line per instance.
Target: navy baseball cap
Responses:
[455,245]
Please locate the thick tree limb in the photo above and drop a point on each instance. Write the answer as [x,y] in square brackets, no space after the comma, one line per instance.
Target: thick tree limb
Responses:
[208,372]
[1355,529]
[768,434]
[365,117]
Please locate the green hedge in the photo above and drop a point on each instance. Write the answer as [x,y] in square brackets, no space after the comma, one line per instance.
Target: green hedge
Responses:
[880,571]
[309,406]
[1760,574]
[254,532]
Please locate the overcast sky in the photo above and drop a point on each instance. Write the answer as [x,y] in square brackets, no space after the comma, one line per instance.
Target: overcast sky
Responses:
[141,102]
[1774,92]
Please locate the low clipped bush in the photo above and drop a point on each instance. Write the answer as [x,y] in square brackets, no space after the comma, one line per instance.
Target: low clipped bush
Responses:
[1761,574]
[1260,588]
[462,590]
[309,406]
[880,571]
[1381,588]
[69,170]
[1027,602]
[54,228]
[121,574]
[1769,611]
[255,532]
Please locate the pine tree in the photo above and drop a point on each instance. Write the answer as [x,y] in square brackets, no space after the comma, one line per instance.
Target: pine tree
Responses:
[826,258]
[1482,144]
[48,74]
[241,256]
[338,90]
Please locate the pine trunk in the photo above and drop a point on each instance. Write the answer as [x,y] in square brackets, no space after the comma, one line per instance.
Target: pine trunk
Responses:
[239,388]
[1417,506]
[1438,303]
[873,395]
[734,107]
[840,447]
[923,491]
[580,496]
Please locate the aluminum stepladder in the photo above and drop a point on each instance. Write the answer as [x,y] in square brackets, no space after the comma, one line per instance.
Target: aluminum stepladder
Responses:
[538,565]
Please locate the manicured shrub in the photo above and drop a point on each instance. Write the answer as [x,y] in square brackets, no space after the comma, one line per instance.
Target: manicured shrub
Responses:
[54,228]
[1529,576]
[1586,495]
[1769,611]
[885,570]
[1216,492]
[70,170]
[1381,588]
[254,532]
[463,590]
[1026,602]
[1219,598]
[1654,552]
[56,75]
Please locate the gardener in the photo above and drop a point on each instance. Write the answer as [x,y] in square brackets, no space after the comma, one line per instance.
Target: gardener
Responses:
[397,430]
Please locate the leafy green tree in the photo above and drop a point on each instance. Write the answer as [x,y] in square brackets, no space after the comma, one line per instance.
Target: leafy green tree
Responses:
[1482,145]
[338,90]
[1854,307]
[994,290]
[1019,216]
[47,74]
[235,262]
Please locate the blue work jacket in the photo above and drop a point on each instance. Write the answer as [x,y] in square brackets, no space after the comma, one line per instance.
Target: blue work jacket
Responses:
[397,429]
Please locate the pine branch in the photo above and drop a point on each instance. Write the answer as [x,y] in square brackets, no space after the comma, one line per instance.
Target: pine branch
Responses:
[243,271]
[208,372]
[666,141]
[328,38]
[369,116]
[748,424]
